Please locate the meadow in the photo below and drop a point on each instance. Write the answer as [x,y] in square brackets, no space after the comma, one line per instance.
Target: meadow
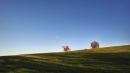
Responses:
[114,59]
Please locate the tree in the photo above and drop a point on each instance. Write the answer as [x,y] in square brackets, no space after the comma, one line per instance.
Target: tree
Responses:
[66,48]
[95,44]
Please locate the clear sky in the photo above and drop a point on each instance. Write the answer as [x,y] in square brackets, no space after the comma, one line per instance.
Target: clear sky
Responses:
[31,26]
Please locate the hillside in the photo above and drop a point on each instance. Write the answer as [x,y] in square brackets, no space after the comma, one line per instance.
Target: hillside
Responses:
[103,60]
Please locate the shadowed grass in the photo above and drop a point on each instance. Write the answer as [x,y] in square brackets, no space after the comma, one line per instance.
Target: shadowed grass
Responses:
[101,60]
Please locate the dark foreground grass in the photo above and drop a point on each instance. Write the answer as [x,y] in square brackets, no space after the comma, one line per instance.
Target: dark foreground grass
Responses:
[102,60]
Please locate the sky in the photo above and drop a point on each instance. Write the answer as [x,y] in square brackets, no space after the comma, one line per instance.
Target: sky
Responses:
[41,26]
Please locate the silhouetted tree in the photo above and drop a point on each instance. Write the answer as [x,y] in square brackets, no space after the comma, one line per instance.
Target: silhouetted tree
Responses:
[66,48]
[95,44]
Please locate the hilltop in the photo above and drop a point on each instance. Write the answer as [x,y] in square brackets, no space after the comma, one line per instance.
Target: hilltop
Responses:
[101,60]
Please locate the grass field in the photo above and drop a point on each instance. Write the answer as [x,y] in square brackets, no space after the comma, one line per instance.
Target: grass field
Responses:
[102,60]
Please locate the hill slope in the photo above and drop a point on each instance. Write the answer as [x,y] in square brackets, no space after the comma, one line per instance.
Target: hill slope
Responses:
[102,60]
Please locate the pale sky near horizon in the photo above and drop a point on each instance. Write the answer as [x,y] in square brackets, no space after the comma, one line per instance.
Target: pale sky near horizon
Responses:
[31,26]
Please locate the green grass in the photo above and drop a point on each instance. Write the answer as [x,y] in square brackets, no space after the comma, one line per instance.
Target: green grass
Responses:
[101,60]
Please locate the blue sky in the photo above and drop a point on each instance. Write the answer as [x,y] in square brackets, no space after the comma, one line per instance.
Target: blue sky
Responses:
[31,26]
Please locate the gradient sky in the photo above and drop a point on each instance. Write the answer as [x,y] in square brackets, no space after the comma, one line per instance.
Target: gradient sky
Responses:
[31,26]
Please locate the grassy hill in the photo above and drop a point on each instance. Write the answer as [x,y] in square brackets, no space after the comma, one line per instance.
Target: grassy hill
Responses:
[102,60]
